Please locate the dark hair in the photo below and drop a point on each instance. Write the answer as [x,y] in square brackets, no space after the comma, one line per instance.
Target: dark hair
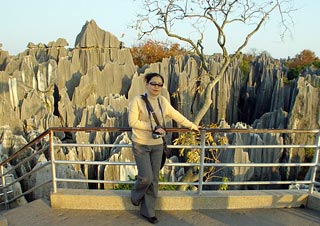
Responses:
[149,76]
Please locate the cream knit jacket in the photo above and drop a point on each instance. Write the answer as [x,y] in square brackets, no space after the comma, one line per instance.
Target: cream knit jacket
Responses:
[139,118]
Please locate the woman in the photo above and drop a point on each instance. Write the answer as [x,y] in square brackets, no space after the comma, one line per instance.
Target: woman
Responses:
[147,148]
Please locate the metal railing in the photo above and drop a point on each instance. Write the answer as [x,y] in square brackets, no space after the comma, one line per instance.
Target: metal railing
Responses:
[5,190]
[49,145]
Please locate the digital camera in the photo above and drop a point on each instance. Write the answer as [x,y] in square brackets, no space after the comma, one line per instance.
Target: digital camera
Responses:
[156,135]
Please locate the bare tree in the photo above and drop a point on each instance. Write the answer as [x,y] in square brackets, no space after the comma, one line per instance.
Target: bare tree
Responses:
[188,21]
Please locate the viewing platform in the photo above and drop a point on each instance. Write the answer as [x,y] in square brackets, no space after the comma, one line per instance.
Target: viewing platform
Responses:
[100,208]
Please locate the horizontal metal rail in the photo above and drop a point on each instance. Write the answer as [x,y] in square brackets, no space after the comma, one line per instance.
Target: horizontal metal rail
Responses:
[188,183]
[185,164]
[190,146]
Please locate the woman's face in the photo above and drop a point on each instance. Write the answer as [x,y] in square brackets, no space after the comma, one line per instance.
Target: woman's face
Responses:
[154,86]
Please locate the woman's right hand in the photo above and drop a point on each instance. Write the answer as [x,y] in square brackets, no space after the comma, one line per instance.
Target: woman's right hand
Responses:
[195,128]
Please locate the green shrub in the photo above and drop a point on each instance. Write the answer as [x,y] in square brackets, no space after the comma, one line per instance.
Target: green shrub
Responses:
[245,68]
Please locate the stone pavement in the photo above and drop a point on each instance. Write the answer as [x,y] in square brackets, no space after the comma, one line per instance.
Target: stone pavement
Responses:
[39,213]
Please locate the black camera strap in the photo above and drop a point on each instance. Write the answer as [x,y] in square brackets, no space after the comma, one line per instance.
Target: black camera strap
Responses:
[150,109]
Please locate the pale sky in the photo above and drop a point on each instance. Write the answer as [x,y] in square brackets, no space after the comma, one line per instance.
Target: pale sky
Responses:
[39,21]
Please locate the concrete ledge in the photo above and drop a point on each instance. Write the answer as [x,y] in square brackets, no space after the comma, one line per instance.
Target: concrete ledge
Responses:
[177,200]
[313,201]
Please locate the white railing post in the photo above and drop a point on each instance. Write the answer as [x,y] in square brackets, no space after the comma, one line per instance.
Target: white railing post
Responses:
[3,181]
[53,165]
[202,152]
[315,161]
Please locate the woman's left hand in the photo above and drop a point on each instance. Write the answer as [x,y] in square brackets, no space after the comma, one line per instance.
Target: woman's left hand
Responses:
[160,130]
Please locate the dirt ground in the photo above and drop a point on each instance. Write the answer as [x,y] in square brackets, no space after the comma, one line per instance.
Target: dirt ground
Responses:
[39,213]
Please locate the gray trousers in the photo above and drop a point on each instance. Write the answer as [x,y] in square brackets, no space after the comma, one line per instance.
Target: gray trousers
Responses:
[145,190]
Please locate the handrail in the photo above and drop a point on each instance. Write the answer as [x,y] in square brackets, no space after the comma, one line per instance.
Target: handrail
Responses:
[49,134]
[23,149]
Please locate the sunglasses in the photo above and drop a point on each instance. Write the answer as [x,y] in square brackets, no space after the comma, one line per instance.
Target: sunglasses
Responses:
[155,84]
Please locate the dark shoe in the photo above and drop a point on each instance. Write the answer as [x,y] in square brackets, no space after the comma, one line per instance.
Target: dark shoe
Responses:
[134,203]
[152,220]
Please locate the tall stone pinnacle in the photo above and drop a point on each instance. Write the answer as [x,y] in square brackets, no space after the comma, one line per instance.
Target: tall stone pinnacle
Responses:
[93,36]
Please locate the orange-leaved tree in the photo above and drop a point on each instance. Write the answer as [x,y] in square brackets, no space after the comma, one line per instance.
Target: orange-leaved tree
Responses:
[301,61]
[154,51]
[191,21]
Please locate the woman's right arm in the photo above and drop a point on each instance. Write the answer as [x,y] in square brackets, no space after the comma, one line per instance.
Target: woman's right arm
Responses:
[137,114]
[178,117]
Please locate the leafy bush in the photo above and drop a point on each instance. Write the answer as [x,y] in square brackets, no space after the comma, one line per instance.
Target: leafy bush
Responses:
[193,155]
